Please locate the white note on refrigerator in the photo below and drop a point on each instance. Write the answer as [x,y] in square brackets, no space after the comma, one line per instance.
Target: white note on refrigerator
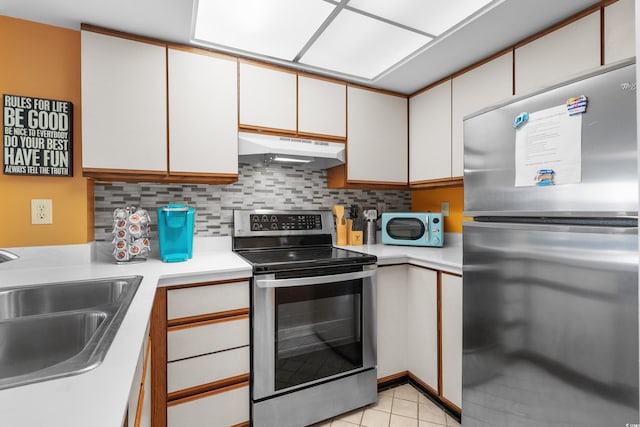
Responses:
[549,148]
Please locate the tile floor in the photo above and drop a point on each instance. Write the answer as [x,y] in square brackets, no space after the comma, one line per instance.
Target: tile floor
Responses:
[402,406]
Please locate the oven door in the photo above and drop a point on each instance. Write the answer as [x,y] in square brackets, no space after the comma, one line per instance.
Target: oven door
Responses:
[310,329]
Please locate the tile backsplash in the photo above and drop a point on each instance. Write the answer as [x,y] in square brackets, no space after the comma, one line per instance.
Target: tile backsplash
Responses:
[259,187]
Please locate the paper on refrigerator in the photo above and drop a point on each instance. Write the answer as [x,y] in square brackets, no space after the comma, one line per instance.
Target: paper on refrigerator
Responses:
[550,144]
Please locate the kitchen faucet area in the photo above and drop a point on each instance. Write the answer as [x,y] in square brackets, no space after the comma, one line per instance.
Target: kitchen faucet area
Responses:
[328,213]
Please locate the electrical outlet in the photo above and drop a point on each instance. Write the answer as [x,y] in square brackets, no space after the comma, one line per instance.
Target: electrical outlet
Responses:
[444,208]
[41,211]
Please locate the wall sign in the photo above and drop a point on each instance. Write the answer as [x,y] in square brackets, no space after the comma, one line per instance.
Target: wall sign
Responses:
[36,136]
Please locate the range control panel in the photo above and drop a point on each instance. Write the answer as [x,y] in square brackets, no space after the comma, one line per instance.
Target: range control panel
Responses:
[262,222]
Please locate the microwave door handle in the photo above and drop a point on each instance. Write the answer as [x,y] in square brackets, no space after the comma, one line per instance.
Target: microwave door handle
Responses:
[315,280]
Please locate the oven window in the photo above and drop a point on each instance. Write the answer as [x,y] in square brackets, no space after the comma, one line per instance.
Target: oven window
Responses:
[318,332]
[405,228]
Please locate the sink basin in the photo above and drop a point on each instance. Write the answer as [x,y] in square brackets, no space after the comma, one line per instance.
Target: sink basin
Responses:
[42,299]
[60,329]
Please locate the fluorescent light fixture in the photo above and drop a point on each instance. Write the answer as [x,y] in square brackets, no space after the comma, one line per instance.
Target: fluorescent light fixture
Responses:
[360,46]
[274,28]
[430,16]
[289,160]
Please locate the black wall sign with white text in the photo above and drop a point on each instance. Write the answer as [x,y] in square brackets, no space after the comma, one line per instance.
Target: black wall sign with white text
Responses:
[36,136]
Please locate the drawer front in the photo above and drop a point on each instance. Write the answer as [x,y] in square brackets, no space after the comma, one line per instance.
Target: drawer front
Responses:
[207,337]
[198,300]
[214,409]
[187,373]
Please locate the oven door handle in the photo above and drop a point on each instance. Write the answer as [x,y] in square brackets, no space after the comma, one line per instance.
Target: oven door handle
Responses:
[315,280]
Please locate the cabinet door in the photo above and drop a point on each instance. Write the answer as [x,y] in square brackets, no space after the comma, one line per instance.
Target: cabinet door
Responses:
[422,325]
[472,91]
[452,338]
[619,31]
[124,104]
[203,113]
[218,408]
[430,134]
[558,55]
[267,97]
[377,137]
[392,320]
[322,107]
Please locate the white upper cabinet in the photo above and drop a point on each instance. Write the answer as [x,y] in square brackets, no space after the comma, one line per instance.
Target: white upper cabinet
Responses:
[203,113]
[558,55]
[619,31]
[322,107]
[472,91]
[124,104]
[430,134]
[377,146]
[267,97]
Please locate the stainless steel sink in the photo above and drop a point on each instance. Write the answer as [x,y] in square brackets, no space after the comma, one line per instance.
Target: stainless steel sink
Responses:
[60,329]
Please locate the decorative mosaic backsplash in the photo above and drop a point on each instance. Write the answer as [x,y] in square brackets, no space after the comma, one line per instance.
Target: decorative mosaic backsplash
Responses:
[259,187]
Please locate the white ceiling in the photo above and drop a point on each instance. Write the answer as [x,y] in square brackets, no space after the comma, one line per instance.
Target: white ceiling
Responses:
[503,24]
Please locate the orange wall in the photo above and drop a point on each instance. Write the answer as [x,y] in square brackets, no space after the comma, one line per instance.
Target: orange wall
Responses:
[429,200]
[43,61]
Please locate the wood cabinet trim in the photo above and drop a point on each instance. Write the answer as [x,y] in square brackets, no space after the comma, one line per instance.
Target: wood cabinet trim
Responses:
[437,183]
[244,424]
[450,404]
[269,131]
[422,383]
[261,64]
[208,322]
[393,377]
[202,319]
[203,388]
[451,274]
[202,51]
[110,175]
[139,405]
[207,394]
[211,283]
[310,75]
[121,34]
[159,359]
[439,321]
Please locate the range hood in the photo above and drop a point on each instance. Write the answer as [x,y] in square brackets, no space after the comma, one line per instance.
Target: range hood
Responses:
[306,153]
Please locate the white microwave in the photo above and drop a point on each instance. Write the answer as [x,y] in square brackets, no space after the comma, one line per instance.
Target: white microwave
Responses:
[412,229]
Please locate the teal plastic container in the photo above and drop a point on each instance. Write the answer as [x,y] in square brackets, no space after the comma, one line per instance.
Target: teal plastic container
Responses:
[175,232]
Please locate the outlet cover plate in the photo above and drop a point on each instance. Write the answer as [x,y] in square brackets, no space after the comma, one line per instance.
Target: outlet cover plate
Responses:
[444,208]
[41,211]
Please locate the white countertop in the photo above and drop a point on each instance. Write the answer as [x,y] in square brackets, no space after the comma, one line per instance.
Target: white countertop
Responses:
[448,258]
[98,398]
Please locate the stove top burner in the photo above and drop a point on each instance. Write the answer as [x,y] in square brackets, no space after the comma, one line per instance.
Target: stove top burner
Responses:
[276,241]
[297,258]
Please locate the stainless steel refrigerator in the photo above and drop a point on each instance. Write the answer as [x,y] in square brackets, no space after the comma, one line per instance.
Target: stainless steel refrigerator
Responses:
[550,294]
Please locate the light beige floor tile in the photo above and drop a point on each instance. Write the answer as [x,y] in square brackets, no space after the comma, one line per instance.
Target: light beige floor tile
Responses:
[428,424]
[406,392]
[341,423]
[451,421]
[353,417]
[431,413]
[386,393]
[405,408]
[384,404]
[400,421]
[422,398]
[373,418]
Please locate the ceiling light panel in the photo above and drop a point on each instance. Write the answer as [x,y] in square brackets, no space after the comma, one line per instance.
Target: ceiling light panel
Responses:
[360,46]
[430,16]
[275,28]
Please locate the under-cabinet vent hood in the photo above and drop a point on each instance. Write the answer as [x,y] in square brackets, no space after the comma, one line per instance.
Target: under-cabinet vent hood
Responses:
[254,148]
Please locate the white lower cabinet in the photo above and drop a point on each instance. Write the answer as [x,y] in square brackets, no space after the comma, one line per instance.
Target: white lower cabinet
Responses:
[422,325]
[208,368]
[219,408]
[452,338]
[392,320]
[203,362]
[410,330]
